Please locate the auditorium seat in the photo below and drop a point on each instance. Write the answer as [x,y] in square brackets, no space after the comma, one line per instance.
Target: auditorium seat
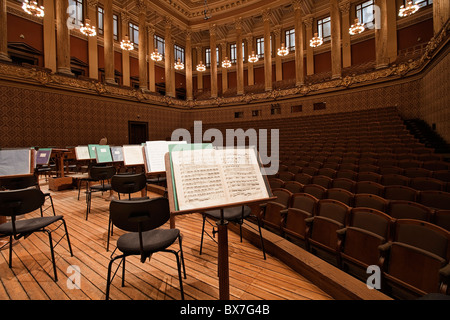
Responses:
[417,173]
[303,178]
[369,187]
[442,219]
[328,172]
[341,195]
[315,190]
[416,261]
[271,211]
[286,176]
[400,193]
[344,183]
[276,183]
[369,176]
[293,186]
[391,170]
[394,180]
[323,181]
[294,169]
[331,215]
[364,200]
[405,164]
[435,199]
[436,165]
[423,184]
[401,209]
[310,171]
[348,174]
[293,224]
[358,242]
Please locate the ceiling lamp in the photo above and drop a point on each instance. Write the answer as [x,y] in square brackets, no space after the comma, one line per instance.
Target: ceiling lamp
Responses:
[201,67]
[253,57]
[315,41]
[356,28]
[283,51]
[179,65]
[87,29]
[156,56]
[410,9]
[31,7]
[126,44]
[226,63]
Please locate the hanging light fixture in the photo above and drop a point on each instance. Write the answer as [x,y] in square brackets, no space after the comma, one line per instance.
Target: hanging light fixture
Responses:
[315,41]
[201,67]
[179,65]
[356,28]
[408,10]
[283,51]
[87,29]
[126,44]
[156,56]
[32,7]
[253,57]
[226,63]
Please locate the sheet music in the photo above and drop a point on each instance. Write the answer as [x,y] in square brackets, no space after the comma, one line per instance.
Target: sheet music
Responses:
[82,153]
[117,154]
[155,151]
[210,177]
[15,162]
[133,155]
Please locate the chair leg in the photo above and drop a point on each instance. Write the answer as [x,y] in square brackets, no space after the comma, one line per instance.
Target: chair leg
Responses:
[108,278]
[53,207]
[203,232]
[52,254]
[261,237]
[67,236]
[123,272]
[10,251]
[109,233]
[179,274]
[182,256]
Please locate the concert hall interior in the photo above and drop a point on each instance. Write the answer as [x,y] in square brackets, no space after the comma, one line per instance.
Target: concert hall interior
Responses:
[346,102]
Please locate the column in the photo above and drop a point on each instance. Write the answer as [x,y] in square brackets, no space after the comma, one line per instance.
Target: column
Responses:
[336,56]
[391,11]
[92,41]
[278,65]
[346,44]
[381,39]
[441,13]
[188,66]
[239,58]
[151,63]
[49,35]
[200,74]
[142,8]
[3,30]
[299,64]
[62,39]
[108,36]
[224,46]
[213,67]
[168,53]
[309,50]
[125,53]
[267,52]
[250,72]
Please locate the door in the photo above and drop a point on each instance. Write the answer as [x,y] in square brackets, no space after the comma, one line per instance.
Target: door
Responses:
[137,132]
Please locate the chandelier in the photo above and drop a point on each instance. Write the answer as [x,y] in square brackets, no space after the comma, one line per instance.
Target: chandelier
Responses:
[253,57]
[315,41]
[410,9]
[126,44]
[283,51]
[226,63]
[356,28]
[87,29]
[33,8]
[156,56]
[179,65]
[201,67]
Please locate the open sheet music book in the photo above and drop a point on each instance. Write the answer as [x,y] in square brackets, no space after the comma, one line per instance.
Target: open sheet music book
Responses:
[17,162]
[205,178]
[133,155]
[82,153]
[154,154]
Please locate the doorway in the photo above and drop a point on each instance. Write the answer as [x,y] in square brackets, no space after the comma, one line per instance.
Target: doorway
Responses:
[137,132]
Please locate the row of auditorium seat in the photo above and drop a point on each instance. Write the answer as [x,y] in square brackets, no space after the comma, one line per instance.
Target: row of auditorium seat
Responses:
[413,254]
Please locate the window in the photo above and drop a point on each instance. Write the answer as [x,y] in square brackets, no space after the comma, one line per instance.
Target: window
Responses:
[260,47]
[116,27]
[256,113]
[275,109]
[295,109]
[324,28]
[290,39]
[208,57]
[233,52]
[100,15]
[239,114]
[421,3]
[364,13]
[134,33]
[178,53]
[320,106]
[76,12]
[160,44]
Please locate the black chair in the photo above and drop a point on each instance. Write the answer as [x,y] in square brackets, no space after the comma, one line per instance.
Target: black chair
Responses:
[14,203]
[102,174]
[234,215]
[16,183]
[127,183]
[140,219]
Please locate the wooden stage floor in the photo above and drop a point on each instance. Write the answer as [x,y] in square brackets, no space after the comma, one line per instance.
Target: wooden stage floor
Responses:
[31,277]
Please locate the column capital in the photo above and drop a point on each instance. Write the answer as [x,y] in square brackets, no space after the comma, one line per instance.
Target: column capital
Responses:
[168,22]
[125,17]
[238,23]
[344,6]
[297,4]
[92,3]
[151,30]
[308,21]
[212,29]
[266,15]
[142,6]
[276,30]
[188,34]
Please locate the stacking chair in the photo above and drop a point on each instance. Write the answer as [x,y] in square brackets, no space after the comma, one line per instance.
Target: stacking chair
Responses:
[102,174]
[293,224]
[400,209]
[271,212]
[358,242]
[331,215]
[15,203]
[416,261]
[235,215]
[142,219]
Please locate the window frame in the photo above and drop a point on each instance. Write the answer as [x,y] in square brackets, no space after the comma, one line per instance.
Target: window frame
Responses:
[100,18]
[359,10]
[77,21]
[319,24]
[289,39]
[160,44]
[133,33]
[178,52]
